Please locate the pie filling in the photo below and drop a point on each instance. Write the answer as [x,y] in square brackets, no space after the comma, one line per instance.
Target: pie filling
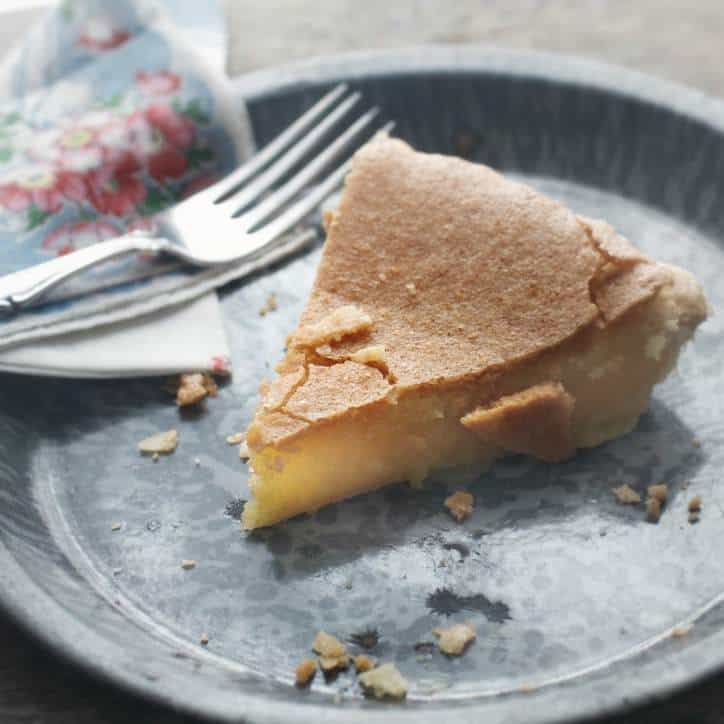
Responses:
[599,381]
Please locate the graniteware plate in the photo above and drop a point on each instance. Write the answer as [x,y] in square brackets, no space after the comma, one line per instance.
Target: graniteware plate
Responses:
[574,597]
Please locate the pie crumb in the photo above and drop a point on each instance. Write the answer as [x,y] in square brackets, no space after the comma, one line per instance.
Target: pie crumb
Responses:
[204,640]
[696,442]
[197,462]
[363,663]
[304,673]
[191,389]
[155,457]
[188,564]
[460,505]
[325,644]
[270,305]
[116,526]
[695,504]
[384,682]
[244,453]
[626,495]
[236,439]
[682,630]
[332,652]
[527,688]
[161,442]
[694,517]
[653,510]
[454,640]
[659,492]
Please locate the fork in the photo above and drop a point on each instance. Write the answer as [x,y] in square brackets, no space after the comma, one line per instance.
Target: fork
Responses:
[244,212]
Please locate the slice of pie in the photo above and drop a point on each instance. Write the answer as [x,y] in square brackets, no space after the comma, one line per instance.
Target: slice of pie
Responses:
[456,317]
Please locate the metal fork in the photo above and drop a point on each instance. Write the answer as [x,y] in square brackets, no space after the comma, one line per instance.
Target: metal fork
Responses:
[241,223]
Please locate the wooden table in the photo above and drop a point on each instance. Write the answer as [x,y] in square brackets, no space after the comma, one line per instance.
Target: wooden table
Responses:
[683,41]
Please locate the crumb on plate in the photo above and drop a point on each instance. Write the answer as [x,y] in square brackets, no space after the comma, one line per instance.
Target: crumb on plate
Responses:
[332,652]
[236,439]
[682,630]
[695,504]
[270,305]
[659,492]
[384,682]
[696,442]
[363,663]
[116,526]
[244,453]
[460,504]
[204,640]
[694,517]
[626,495]
[305,671]
[188,563]
[325,644]
[161,442]
[454,640]
[653,510]
[194,387]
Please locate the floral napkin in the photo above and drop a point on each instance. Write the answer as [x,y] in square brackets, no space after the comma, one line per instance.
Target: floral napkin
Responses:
[115,109]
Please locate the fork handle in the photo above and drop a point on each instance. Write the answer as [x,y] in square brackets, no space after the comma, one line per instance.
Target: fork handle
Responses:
[21,289]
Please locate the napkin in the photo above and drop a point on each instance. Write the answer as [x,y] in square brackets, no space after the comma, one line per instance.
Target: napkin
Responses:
[114,109]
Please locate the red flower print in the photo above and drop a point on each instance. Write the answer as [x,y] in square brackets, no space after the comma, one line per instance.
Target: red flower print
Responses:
[79,151]
[75,149]
[41,186]
[113,192]
[159,83]
[99,35]
[168,163]
[177,132]
[76,235]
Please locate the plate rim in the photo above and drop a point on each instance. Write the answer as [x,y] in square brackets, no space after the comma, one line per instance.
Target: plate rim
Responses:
[33,615]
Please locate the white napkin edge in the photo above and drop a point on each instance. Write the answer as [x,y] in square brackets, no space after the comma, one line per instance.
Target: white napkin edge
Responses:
[183,338]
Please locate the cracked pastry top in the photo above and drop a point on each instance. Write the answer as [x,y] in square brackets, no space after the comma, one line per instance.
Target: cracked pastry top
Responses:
[457,316]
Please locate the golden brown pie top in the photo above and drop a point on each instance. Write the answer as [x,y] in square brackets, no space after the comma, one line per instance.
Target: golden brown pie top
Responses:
[449,271]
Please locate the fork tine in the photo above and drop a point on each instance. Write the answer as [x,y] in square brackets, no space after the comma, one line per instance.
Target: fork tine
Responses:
[304,206]
[289,159]
[273,203]
[228,185]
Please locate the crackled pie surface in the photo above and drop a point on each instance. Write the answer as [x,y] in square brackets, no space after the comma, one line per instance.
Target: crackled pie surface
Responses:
[443,288]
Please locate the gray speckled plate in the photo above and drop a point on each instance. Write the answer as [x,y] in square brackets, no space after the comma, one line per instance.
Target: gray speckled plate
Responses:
[570,593]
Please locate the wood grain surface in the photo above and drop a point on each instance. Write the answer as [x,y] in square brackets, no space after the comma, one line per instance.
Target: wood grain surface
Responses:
[682,41]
